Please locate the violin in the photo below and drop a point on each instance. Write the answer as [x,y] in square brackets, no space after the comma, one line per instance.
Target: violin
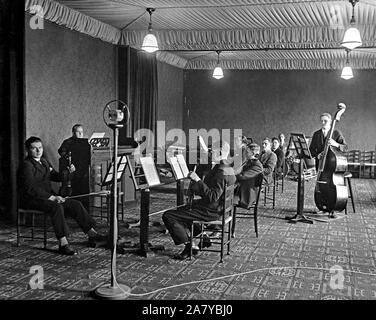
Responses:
[66,175]
[331,193]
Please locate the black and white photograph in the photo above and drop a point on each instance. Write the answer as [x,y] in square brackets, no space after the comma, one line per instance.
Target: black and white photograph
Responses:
[187,157]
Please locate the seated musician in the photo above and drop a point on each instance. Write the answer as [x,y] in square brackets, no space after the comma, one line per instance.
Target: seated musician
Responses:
[239,153]
[80,151]
[178,222]
[36,176]
[246,176]
[319,137]
[280,156]
[268,159]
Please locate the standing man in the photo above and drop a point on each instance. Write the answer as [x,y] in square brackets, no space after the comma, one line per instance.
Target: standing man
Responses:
[78,150]
[36,193]
[320,136]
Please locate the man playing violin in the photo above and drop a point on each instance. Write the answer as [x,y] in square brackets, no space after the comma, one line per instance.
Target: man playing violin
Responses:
[76,150]
[36,193]
[319,137]
[178,222]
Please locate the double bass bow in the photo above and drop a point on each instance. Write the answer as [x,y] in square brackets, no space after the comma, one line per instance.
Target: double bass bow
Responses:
[331,193]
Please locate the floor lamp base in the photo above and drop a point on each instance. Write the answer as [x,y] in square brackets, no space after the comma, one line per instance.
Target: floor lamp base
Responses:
[108,292]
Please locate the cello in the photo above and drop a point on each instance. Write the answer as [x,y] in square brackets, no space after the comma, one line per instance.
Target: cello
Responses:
[331,193]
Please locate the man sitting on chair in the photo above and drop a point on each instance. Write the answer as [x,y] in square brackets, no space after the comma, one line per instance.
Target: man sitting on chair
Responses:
[178,222]
[36,176]
[268,159]
[280,156]
[246,176]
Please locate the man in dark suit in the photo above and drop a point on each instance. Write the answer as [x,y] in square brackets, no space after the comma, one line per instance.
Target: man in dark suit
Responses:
[246,176]
[36,193]
[280,156]
[178,222]
[79,150]
[319,137]
[268,159]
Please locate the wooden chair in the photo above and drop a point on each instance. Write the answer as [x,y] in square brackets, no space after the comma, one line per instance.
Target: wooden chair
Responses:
[353,160]
[280,177]
[368,161]
[24,216]
[227,203]
[252,206]
[269,187]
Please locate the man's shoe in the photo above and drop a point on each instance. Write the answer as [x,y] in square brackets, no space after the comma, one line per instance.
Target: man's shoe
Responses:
[186,253]
[67,251]
[206,242]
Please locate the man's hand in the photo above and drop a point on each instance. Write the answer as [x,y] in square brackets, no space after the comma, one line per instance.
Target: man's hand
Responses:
[333,143]
[72,168]
[57,199]
[194,176]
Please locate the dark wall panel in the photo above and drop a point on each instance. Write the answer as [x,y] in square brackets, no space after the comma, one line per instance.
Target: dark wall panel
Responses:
[264,103]
[170,95]
[69,79]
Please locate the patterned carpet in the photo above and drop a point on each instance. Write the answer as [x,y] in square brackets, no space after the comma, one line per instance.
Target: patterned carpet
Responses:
[286,262]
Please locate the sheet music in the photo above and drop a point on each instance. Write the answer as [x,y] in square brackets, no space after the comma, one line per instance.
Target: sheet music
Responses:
[97,135]
[176,168]
[150,171]
[121,162]
[183,165]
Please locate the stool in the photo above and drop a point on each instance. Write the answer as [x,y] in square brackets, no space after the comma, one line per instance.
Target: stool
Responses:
[348,176]
[32,213]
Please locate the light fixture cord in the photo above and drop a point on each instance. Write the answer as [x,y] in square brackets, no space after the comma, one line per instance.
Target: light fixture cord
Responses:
[150,10]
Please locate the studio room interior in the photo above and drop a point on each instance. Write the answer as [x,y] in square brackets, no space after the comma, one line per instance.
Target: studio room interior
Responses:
[182,150]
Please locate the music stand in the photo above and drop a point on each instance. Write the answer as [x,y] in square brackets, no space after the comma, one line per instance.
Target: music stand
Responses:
[122,162]
[303,153]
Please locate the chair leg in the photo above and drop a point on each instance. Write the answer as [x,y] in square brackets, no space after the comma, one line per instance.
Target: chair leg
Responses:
[32,226]
[233,223]
[283,182]
[273,195]
[255,221]
[222,241]
[351,194]
[229,236]
[18,227]
[264,196]
[44,231]
[192,235]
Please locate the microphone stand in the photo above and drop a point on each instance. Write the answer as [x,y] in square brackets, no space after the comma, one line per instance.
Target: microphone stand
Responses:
[114,290]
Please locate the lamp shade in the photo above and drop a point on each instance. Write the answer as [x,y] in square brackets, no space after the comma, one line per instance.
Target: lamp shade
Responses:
[218,72]
[352,38]
[150,43]
[347,73]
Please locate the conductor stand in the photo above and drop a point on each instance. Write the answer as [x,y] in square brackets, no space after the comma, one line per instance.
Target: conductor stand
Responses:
[114,290]
[303,153]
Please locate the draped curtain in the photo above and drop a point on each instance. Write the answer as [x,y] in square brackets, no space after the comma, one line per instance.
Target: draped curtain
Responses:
[12,113]
[143,91]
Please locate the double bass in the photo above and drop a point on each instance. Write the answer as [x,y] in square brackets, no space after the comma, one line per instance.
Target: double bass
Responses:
[331,193]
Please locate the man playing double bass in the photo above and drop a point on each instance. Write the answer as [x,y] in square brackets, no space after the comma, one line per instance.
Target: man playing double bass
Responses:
[319,137]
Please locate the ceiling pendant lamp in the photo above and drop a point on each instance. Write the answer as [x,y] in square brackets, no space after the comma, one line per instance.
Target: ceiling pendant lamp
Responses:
[352,38]
[347,71]
[150,43]
[218,72]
